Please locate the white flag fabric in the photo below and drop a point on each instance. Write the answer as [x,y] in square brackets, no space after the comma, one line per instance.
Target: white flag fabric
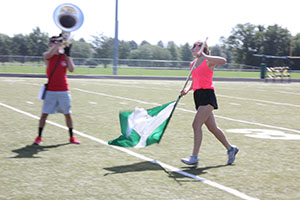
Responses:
[143,127]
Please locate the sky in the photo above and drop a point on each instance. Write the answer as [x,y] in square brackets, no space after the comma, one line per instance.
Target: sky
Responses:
[181,21]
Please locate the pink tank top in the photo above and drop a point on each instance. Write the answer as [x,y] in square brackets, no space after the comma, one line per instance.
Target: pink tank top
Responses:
[202,76]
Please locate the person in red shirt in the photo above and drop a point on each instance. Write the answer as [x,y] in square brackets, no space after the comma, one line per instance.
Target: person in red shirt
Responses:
[205,102]
[57,97]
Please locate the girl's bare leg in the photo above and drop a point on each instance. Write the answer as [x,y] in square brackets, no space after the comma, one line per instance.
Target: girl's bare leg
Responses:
[219,134]
[203,113]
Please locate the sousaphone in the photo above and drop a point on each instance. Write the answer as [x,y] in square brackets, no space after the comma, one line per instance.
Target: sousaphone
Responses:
[67,17]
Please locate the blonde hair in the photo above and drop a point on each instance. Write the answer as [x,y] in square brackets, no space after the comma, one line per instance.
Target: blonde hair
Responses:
[206,49]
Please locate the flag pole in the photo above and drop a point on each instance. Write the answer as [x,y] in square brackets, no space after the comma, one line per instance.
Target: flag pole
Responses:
[185,84]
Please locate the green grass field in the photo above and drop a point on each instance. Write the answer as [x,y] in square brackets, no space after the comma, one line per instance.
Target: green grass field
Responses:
[134,72]
[261,118]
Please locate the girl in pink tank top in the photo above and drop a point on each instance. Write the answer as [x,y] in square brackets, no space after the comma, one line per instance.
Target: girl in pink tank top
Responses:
[202,76]
[205,102]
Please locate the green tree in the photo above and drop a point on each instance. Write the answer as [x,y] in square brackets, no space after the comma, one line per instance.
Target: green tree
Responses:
[295,51]
[242,43]
[5,44]
[81,49]
[225,51]
[143,52]
[133,45]
[174,51]
[144,42]
[160,53]
[248,39]
[277,43]
[160,44]
[37,42]
[185,52]
[20,45]
[150,52]
[124,49]
[103,46]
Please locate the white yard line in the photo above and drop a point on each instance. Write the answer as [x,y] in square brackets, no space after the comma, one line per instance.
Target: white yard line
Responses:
[261,101]
[140,156]
[191,111]
[220,95]
[115,97]
[293,93]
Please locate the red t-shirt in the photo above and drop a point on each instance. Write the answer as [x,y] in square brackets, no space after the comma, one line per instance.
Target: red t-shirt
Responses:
[58,81]
[202,76]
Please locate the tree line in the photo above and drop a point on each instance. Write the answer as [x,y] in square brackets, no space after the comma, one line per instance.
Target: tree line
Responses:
[247,44]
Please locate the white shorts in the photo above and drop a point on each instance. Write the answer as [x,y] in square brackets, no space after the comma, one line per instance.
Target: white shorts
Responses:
[57,102]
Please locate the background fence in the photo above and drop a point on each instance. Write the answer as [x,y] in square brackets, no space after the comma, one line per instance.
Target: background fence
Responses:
[37,61]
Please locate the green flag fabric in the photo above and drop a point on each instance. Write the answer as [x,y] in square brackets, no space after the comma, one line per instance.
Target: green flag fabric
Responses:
[142,127]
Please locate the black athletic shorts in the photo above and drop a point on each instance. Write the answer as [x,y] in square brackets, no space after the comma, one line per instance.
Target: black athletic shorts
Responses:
[204,97]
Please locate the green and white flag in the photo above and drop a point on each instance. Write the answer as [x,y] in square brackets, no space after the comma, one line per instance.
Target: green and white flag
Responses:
[142,127]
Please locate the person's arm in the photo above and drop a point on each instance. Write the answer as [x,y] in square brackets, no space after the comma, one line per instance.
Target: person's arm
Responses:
[51,52]
[70,63]
[214,60]
[186,90]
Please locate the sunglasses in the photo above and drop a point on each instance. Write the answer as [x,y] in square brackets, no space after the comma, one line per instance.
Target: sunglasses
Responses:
[195,45]
[55,40]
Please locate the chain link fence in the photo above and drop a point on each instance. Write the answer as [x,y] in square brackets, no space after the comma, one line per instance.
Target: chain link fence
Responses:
[35,64]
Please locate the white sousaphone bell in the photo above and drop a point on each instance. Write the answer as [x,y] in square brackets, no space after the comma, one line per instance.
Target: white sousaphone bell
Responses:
[67,17]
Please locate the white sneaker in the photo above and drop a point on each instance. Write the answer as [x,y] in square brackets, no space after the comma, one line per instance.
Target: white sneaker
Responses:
[231,154]
[192,160]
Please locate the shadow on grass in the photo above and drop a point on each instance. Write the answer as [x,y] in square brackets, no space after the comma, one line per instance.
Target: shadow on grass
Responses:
[30,151]
[196,171]
[135,167]
[149,166]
